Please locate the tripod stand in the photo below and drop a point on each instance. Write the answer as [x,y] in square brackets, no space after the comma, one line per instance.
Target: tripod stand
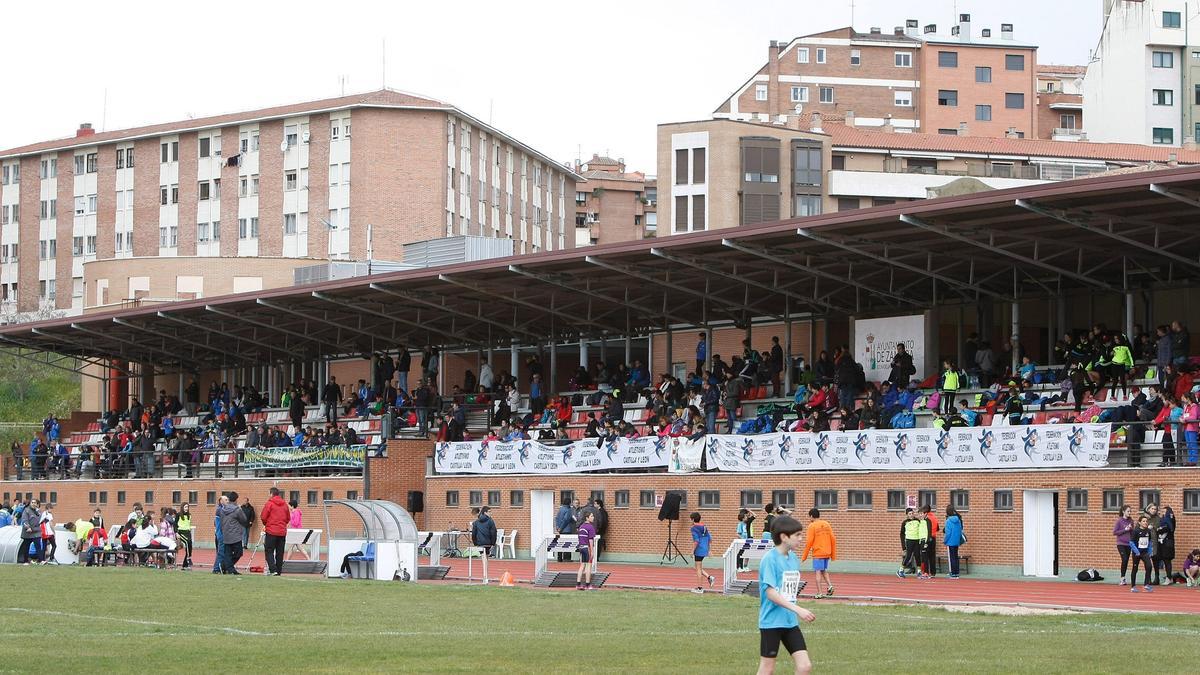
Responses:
[671,552]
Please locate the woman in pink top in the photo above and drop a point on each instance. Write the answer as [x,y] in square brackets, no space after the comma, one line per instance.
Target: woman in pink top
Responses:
[297,518]
[1191,426]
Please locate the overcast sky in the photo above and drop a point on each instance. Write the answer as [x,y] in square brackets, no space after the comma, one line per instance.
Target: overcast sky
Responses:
[566,78]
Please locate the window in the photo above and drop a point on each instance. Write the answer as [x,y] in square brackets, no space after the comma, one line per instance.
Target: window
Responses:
[493,498]
[806,165]
[698,165]
[352,495]
[802,55]
[960,499]
[1066,121]
[120,496]
[710,499]
[903,59]
[1191,501]
[1163,97]
[897,500]
[1014,62]
[848,203]
[290,135]
[103,497]
[1148,497]
[1170,20]
[205,147]
[825,499]
[760,92]
[800,94]
[289,180]
[902,98]
[681,213]
[1014,101]
[1164,136]
[451,497]
[948,97]
[681,167]
[1077,500]
[202,232]
[149,497]
[210,497]
[1114,499]
[859,500]
[682,497]
[983,113]
[77,246]
[175,496]
[205,190]
[91,162]
[751,499]
[311,498]
[1002,500]
[820,55]
[1163,59]
[621,499]
[855,57]
[927,498]
[698,212]
[91,497]
[80,163]
[289,223]
[174,193]
[948,59]
[193,495]
[826,94]
[646,499]
[784,498]
[983,74]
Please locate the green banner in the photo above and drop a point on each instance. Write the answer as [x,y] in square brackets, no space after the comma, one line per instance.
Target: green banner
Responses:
[350,456]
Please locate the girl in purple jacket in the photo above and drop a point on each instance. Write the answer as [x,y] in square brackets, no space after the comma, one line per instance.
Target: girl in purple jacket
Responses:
[1121,531]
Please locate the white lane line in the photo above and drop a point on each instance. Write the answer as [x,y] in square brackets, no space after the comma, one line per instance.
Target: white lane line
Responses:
[140,622]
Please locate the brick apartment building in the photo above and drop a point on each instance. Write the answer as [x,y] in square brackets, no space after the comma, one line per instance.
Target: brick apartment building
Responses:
[176,203]
[728,173]
[612,204]
[909,80]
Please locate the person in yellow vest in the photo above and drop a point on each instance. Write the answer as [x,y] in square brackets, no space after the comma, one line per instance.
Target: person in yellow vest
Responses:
[183,532]
[1122,363]
[950,386]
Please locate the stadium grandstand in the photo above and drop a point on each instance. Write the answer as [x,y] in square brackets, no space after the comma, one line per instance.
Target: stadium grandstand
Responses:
[1010,287]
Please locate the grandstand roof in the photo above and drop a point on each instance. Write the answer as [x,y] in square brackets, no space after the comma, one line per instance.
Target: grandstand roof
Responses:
[1110,233]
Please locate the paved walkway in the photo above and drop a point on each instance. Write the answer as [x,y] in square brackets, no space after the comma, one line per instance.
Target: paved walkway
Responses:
[1104,595]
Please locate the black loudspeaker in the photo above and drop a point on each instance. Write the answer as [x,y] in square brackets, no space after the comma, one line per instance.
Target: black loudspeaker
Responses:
[416,501]
[670,506]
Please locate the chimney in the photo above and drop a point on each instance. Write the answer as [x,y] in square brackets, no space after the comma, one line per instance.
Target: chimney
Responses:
[954,30]
[1006,31]
[620,165]
[1172,159]
[887,124]
[898,30]
[875,30]
[986,32]
[773,78]
[910,27]
[930,28]
[85,129]
[962,128]
[816,124]
[964,27]
[848,116]
[1011,133]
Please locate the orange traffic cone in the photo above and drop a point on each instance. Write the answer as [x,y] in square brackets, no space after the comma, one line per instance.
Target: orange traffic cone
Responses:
[506,579]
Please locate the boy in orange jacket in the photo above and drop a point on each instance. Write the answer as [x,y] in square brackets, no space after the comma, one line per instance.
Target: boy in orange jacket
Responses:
[823,546]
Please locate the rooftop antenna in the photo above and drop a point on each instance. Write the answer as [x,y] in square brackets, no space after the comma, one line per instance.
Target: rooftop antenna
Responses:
[852,13]
[104,112]
[491,107]
[383,57]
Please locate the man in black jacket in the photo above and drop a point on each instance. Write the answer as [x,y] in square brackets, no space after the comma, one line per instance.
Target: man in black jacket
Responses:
[331,395]
[403,365]
[483,531]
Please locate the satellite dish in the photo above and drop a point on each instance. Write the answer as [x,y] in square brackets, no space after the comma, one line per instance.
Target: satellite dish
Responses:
[283,145]
[799,108]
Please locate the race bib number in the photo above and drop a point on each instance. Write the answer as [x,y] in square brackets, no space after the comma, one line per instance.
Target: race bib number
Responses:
[1144,543]
[791,585]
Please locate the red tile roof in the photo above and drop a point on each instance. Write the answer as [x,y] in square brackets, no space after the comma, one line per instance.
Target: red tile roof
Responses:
[843,135]
[382,97]
[1065,70]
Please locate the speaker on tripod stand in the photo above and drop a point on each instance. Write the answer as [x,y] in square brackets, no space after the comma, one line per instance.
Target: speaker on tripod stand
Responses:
[669,511]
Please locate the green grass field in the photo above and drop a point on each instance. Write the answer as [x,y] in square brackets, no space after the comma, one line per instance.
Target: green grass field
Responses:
[75,619]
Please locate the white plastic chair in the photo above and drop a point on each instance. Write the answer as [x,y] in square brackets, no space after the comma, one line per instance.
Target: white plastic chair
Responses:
[500,544]
[511,543]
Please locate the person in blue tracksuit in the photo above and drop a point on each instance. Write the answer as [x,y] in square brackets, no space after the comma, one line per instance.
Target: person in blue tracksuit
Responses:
[953,538]
[220,541]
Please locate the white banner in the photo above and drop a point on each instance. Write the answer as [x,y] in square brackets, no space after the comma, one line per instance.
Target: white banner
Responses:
[482,457]
[875,343]
[1020,447]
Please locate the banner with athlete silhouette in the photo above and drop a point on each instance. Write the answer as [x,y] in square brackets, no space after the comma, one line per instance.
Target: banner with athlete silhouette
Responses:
[495,457]
[1021,447]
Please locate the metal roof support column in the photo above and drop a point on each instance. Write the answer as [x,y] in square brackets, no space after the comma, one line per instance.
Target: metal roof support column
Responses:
[1016,325]
[669,351]
[583,353]
[604,351]
[553,384]
[958,345]
[514,363]
[708,348]
[628,348]
[787,347]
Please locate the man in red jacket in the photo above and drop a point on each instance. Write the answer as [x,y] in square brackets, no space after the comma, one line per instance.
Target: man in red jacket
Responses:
[275,517]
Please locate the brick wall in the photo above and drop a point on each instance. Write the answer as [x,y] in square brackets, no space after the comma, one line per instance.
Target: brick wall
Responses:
[189,194]
[146,172]
[63,229]
[27,234]
[994,538]
[318,185]
[229,193]
[106,203]
[270,189]
[971,93]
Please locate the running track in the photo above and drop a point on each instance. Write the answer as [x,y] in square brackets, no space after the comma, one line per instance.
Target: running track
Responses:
[1104,595]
